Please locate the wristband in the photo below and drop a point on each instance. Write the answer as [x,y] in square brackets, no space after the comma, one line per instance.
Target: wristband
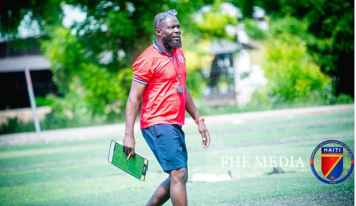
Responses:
[198,119]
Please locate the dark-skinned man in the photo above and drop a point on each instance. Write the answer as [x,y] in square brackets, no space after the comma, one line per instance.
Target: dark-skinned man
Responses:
[159,75]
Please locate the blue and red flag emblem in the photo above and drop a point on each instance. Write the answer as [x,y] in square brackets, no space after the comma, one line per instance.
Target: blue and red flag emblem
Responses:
[329,164]
[332,162]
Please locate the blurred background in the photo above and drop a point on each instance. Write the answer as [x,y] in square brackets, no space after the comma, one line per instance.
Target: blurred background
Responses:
[74,58]
[272,78]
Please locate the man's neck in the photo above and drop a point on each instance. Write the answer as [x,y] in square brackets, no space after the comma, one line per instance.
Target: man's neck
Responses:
[160,43]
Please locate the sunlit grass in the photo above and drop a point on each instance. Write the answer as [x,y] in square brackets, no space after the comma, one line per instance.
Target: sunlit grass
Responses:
[77,172]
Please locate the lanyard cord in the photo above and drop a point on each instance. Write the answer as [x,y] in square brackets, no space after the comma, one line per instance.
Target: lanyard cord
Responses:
[180,88]
[176,69]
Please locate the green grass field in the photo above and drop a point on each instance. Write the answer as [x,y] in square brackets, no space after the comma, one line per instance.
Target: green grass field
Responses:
[78,173]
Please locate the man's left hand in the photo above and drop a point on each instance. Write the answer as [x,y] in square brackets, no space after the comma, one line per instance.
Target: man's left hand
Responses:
[204,134]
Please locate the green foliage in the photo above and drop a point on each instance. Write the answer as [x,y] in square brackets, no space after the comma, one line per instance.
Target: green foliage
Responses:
[93,67]
[344,99]
[294,79]
[213,23]
[252,30]
[197,56]
[283,27]
[40,101]
[57,120]
[91,61]
[40,12]
[194,82]
[14,125]
[331,25]
[328,29]
[64,51]
[292,75]
[83,80]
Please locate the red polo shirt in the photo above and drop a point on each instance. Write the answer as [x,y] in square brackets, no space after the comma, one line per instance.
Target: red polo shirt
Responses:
[159,71]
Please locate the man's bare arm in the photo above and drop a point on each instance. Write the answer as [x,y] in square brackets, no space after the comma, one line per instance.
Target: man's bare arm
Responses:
[132,107]
[190,106]
[192,110]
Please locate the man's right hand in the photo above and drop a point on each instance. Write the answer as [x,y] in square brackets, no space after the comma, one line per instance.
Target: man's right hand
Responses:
[129,145]
[132,107]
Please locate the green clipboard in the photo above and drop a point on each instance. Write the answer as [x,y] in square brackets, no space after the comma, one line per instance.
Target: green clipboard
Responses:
[136,167]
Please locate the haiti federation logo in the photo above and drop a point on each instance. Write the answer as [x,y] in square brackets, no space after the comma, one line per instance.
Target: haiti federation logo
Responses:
[332,162]
[181,58]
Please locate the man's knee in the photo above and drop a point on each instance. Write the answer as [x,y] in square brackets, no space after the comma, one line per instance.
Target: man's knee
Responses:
[179,175]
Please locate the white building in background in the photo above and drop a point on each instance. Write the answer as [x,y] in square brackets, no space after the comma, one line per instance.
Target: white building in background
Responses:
[24,75]
[233,76]
[247,77]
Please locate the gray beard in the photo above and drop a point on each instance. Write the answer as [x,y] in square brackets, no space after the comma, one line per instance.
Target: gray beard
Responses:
[170,44]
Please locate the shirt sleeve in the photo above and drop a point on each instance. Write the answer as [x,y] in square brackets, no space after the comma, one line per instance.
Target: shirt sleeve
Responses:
[142,70]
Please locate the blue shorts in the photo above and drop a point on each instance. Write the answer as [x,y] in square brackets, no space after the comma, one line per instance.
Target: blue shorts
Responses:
[167,143]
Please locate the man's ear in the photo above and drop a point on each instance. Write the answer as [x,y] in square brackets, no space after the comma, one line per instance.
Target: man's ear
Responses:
[158,32]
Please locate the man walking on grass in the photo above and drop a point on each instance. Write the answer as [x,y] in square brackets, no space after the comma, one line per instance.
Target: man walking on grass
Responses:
[159,75]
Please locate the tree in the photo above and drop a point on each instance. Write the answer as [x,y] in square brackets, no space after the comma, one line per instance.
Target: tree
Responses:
[330,24]
[92,60]
[292,75]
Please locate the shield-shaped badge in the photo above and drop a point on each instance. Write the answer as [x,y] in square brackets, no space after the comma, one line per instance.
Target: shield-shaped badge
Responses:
[332,162]
[181,58]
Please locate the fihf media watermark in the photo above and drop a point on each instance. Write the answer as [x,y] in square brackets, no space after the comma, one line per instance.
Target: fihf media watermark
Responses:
[267,161]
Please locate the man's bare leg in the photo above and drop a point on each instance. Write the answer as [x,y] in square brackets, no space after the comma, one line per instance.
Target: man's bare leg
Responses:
[178,191]
[161,194]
